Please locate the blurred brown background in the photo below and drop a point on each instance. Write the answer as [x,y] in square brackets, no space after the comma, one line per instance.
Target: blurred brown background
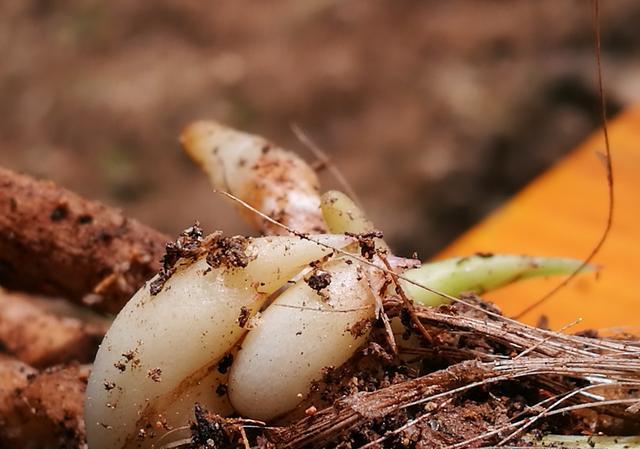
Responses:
[436,111]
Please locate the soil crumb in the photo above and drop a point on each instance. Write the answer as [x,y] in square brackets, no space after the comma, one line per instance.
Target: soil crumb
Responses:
[228,252]
[187,245]
[318,280]
[367,242]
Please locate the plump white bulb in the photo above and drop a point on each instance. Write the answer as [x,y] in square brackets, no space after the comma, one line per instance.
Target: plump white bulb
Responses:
[303,331]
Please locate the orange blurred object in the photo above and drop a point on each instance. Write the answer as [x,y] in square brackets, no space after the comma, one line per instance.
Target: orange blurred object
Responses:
[563,213]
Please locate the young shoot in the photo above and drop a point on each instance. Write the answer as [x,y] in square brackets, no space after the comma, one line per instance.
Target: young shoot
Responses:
[481,273]
[342,215]
[478,274]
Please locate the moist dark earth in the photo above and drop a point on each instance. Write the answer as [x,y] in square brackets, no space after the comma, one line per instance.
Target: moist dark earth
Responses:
[435,111]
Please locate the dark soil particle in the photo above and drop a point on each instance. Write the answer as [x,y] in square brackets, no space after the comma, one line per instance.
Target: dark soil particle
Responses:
[589,333]
[13,204]
[244,316]
[155,374]
[120,365]
[128,359]
[209,431]
[105,237]
[360,328]
[318,280]
[228,252]
[225,363]
[187,245]
[484,255]
[221,251]
[221,390]
[367,242]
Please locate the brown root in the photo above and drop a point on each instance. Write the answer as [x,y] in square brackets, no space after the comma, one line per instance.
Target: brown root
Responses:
[55,242]
[44,409]
[43,332]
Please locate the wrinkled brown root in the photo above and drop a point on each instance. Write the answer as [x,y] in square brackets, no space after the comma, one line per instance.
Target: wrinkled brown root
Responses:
[42,408]
[53,241]
[43,332]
